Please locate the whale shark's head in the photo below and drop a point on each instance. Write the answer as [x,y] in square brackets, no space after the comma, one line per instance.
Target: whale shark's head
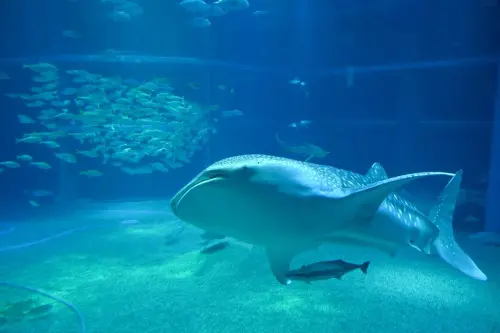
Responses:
[244,196]
[242,176]
[212,183]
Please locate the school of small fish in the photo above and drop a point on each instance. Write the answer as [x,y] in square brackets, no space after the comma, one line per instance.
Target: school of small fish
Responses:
[202,10]
[138,127]
[123,10]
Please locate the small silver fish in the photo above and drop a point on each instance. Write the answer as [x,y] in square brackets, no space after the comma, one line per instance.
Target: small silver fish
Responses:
[39,193]
[325,270]
[297,81]
[200,22]
[259,13]
[232,5]
[194,6]
[300,124]
[231,113]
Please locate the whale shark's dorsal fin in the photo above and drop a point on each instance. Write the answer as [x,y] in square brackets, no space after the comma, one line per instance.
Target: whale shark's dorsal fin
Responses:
[361,203]
[376,173]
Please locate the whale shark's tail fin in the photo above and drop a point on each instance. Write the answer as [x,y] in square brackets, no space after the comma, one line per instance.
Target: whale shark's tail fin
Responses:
[445,245]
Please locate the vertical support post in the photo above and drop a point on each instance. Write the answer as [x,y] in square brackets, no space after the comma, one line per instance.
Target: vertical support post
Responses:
[207,84]
[408,118]
[31,21]
[66,189]
[304,45]
[411,97]
[207,79]
[493,193]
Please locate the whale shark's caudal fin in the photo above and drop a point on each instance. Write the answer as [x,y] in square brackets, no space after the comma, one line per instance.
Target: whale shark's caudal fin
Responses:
[445,245]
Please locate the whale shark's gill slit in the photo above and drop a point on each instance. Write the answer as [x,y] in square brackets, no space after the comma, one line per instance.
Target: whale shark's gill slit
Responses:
[365,213]
[214,174]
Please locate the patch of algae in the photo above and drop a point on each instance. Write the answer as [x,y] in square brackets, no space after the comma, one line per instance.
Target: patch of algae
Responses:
[117,281]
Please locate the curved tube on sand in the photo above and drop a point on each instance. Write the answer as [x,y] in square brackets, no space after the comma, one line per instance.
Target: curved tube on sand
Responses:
[43,240]
[46,294]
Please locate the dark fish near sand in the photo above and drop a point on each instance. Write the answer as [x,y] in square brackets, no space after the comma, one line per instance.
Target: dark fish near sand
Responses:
[325,270]
[173,236]
[40,310]
[215,247]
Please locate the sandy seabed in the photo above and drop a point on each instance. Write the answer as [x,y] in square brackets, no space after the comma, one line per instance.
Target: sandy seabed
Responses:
[129,278]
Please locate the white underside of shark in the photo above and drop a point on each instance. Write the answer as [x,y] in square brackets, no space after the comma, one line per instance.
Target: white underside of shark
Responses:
[290,206]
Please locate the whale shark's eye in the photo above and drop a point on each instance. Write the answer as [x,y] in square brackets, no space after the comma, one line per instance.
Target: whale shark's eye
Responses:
[216,174]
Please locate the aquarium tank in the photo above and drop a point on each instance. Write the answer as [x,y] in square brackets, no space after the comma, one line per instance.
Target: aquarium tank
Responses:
[202,166]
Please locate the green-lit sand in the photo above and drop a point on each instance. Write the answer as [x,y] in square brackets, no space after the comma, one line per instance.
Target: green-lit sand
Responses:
[125,279]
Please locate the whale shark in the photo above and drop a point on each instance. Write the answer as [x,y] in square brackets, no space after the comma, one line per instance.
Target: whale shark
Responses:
[289,206]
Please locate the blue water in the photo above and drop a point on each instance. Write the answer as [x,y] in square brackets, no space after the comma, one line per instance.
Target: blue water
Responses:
[409,84]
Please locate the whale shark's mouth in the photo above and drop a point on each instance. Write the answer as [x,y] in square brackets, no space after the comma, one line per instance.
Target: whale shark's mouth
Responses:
[197,182]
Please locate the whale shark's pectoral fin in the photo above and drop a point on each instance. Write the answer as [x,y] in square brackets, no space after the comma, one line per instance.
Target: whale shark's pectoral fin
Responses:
[359,204]
[279,260]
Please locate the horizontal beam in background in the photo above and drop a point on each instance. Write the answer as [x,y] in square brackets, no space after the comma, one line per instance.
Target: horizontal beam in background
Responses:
[432,124]
[197,62]
[493,193]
